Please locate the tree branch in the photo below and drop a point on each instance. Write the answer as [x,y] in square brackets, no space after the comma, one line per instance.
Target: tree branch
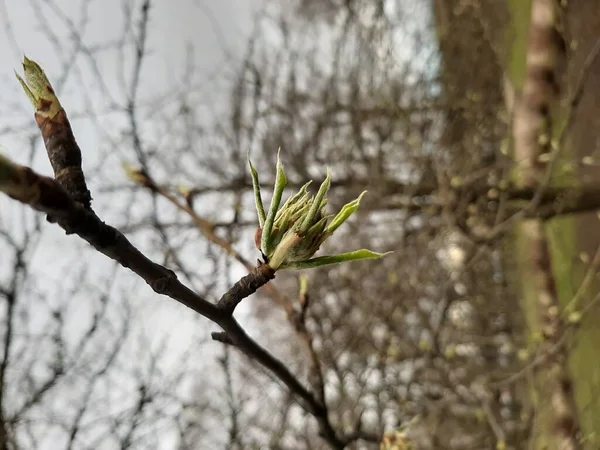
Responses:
[46,195]
[245,287]
[63,152]
[532,131]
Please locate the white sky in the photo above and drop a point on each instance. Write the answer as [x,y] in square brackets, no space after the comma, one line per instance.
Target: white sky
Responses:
[215,30]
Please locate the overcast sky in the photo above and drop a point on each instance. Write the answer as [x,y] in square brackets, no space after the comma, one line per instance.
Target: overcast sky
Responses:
[214,32]
[212,26]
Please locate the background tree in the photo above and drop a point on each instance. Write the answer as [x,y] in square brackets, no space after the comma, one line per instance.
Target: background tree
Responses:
[477,331]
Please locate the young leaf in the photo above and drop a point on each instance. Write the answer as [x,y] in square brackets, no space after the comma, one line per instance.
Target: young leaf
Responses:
[345,213]
[293,199]
[317,203]
[280,182]
[357,255]
[260,209]
[39,90]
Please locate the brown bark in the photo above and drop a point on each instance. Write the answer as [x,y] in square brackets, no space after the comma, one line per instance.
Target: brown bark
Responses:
[245,287]
[65,156]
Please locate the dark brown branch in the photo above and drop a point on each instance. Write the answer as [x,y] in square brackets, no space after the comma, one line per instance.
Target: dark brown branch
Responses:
[568,201]
[46,195]
[554,201]
[65,156]
[245,287]
[222,337]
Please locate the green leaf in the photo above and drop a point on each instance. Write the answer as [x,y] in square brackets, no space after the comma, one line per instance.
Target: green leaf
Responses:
[260,209]
[317,229]
[345,213]
[295,204]
[266,244]
[296,198]
[30,94]
[357,255]
[317,203]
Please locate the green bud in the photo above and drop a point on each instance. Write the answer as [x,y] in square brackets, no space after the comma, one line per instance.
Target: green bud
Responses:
[39,90]
[290,236]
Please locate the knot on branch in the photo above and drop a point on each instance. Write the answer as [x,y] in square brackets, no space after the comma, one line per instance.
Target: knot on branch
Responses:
[245,287]
[221,336]
[161,285]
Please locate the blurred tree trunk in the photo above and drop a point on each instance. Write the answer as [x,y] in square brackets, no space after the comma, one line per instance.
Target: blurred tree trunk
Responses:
[491,40]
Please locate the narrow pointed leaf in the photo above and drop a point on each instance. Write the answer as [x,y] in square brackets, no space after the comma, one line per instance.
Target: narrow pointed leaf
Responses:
[317,203]
[266,244]
[39,90]
[30,94]
[357,255]
[345,213]
[295,198]
[317,229]
[294,203]
[260,209]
